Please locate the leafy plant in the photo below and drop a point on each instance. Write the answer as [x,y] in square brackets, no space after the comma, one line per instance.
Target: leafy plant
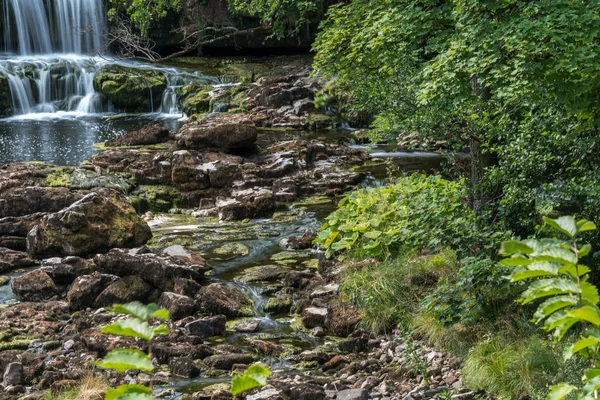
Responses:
[569,299]
[255,376]
[418,212]
[121,360]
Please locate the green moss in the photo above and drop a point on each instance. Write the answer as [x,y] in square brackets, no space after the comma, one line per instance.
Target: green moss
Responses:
[313,201]
[51,345]
[16,344]
[156,198]
[319,121]
[232,250]
[60,178]
[279,305]
[4,280]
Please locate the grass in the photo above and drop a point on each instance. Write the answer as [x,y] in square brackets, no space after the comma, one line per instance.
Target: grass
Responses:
[388,293]
[511,368]
[90,387]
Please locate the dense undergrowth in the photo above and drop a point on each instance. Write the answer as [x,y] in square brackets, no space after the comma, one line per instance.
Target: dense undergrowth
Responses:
[422,262]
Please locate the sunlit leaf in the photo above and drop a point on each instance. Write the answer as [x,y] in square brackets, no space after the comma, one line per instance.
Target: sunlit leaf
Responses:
[564,224]
[130,327]
[582,344]
[114,394]
[560,391]
[515,247]
[124,359]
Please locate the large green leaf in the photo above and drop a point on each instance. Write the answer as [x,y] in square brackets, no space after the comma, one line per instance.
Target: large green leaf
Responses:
[585,250]
[552,305]
[536,270]
[566,225]
[255,376]
[130,327]
[124,359]
[141,311]
[548,287]
[590,314]
[116,393]
[589,292]
[582,344]
[516,261]
[585,225]
[511,247]
[556,254]
[590,387]
[560,391]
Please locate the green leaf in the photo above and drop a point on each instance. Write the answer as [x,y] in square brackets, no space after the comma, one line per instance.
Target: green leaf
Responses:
[564,224]
[536,270]
[130,327]
[330,238]
[255,376]
[160,330]
[548,287]
[516,261]
[124,359]
[139,310]
[590,292]
[135,396]
[585,250]
[591,386]
[590,314]
[557,254]
[114,394]
[582,344]
[560,391]
[161,314]
[585,225]
[515,247]
[552,305]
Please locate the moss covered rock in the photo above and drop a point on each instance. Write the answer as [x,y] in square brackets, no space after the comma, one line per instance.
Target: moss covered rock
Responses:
[6,108]
[156,198]
[100,221]
[131,89]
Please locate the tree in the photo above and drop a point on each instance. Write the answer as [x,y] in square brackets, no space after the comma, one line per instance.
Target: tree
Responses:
[132,21]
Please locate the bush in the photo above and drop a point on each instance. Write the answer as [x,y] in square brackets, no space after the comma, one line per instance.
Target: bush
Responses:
[419,212]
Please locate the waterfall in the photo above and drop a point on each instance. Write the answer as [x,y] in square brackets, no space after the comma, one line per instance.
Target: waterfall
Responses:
[58,26]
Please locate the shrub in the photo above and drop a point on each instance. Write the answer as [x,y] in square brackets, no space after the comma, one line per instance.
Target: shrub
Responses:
[418,212]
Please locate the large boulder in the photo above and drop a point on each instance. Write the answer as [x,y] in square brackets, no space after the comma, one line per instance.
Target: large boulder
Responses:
[147,167]
[100,221]
[6,107]
[125,290]
[66,270]
[84,291]
[11,259]
[222,299]
[34,286]
[224,132]
[131,89]
[152,134]
[19,201]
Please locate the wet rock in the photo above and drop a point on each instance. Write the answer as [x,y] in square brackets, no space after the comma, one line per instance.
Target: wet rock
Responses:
[314,316]
[101,220]
[304,106]
[327,290]
[35,286]
[179,306]
[222,299]
[21,201]
[305,391]
[102,343]
[314,355]
[184,367]
[131,89]
[152,134]
[227,361]
[85,289]
[6,107]
[353,394]
[185,173]
[160,271]
[224,132]
[279,305]
[335,363]
[11,259]
[165,352]
[186,287]
[125,290]
[13,375]
[207,327]
[276,95]
[247,326]
[147,168]
[66,270]
[265,348]
[298,243]
[267,393]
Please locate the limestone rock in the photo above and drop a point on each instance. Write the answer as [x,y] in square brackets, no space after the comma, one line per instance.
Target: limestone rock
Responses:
[85,289]
[207,327]
[152,134]
[125,290]
[101,220]
[179,306]
[224,132]
[222,299]
[34,286]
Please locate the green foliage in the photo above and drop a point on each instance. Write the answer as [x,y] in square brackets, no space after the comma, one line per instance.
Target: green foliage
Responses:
[143,13]
[388,293]
[255,376]
[559,283]
[418,212]
[511,369]
[121,360]
[478,291]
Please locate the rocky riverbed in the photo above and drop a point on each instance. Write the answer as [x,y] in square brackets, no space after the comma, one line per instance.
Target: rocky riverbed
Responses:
[214,222]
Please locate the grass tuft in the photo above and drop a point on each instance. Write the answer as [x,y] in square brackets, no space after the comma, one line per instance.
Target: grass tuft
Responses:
[90,387]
